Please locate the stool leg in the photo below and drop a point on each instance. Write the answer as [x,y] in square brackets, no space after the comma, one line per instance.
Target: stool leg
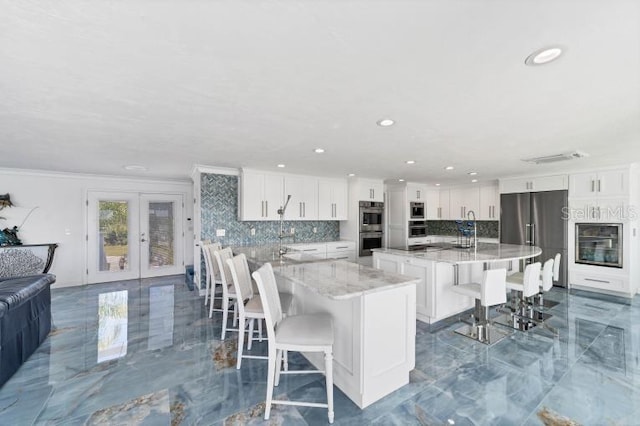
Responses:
[241,341]
[250,342]
[260,330]
[285,366]
[278,366]
[235,313]
[328,373]
[211,307]
[270,378]
[225,314]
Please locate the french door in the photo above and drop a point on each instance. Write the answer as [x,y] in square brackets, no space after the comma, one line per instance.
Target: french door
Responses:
[133,235]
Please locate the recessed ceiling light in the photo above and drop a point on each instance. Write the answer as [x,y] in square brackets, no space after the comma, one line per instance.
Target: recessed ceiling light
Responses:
[449,168]
[472,173]
[385,122]
[437,184]
[352,174]
[281,165]
[400,180]
[543,56]
[318,150]
[410,162]
[135,168]
[474,180]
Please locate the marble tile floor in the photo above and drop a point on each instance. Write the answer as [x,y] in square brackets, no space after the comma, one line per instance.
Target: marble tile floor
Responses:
[144,352]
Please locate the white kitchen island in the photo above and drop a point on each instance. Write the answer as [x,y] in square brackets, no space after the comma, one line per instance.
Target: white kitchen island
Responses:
[440,268]
[374,319]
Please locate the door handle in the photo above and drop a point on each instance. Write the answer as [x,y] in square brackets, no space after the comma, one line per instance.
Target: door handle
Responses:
[418,194]
[304,209]
[598,185]
[527,233]
[533,234]
[593,185]
[266,208]
[262,208]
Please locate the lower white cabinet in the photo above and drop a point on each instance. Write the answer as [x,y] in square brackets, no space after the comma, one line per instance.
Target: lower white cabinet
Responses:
[600,280]
[434,298]
[338,250]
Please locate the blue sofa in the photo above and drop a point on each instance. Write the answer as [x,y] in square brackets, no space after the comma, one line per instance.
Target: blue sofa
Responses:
[25,319]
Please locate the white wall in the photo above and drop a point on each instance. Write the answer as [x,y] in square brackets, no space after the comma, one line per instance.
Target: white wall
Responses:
[61,216]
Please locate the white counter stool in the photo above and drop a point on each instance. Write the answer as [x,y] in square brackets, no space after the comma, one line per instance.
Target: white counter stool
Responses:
[212,276]
[249,305]
[302,333]
[229,296]
[491,291]
[522,291]
[546,282]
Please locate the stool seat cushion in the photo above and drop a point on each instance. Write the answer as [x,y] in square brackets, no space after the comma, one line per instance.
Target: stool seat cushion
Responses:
[518,286]
[469,289]
[305,330]
[517,277]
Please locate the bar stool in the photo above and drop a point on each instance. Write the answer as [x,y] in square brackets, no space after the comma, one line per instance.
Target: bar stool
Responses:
[229,296]
[491,291]
[211,271]
[302,333]
[550,269]
[249,305]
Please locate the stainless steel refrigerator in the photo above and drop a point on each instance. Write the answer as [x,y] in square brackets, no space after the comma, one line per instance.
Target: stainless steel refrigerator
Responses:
[537,219]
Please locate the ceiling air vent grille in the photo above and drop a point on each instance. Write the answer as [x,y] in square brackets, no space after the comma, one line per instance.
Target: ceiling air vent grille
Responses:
[555,158]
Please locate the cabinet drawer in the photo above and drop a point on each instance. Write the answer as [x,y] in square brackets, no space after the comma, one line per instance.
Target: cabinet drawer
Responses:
[338,246]
[605,282]
[309,248]
[349,256]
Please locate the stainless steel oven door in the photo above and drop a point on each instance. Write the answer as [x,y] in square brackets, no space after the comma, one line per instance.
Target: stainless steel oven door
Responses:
[416,210]
[371,219]
[369,241]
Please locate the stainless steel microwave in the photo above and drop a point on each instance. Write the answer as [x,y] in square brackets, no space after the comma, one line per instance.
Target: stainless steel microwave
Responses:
[416,210]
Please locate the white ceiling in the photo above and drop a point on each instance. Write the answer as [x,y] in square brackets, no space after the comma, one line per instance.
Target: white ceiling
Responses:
[91,86]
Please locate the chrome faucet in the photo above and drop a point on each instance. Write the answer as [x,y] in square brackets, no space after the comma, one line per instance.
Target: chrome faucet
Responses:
[282,250]
[475,227]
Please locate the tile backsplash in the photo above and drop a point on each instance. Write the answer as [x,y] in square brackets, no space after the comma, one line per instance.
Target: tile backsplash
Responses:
[486,228]
[219,201]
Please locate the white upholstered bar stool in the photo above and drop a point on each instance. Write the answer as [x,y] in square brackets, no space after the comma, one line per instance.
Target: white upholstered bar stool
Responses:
[212,278]
[491,291]
[546,280]
[249,305]
[229,296]
[301,333]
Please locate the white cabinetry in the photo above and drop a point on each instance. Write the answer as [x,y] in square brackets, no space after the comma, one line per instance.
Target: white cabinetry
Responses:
[489,203]
[370,190]
[342,250]
[432,204]
[304,197]
[443,208]
[417,192]
[462,200]
[261,195]
[332,199]
[533,184]
[609,183]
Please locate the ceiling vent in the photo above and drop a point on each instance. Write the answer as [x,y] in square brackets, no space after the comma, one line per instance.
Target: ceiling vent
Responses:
[556,158]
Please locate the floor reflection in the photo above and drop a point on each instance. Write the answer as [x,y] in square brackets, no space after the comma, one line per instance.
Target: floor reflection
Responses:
[113,320]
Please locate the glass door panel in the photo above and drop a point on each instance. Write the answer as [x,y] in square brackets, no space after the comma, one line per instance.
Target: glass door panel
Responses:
[161,219]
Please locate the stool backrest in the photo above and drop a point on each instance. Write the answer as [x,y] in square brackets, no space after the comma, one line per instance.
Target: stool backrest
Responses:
[221,257]
[547,274]
[209,262]
[239,268]
[556,267]
[269,297]
[531,279]
[493,289]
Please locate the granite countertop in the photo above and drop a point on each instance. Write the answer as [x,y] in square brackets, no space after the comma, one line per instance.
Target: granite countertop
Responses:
[483,252]
[335,279]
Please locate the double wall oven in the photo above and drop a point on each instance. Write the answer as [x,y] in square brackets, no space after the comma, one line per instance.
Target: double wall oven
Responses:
[371,226]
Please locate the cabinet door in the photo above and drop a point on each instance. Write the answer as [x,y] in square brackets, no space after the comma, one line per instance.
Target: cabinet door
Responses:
[304,197]
[325,200]
[612,183]
[273,191]
[419,271]
[462,200]
[510,186]
[613,210]
[340,197]
[370,190]
[252,196]
[443,213]
[433,204]
[386,263]
[582,185]
[416,193]
[548,183]
[489,203]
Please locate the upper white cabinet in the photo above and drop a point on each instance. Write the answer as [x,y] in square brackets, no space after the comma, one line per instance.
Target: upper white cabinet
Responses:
[416,192]
[489,203]
[534,184]
[332,199]
[304,197]
[443,208]
[433,204]
[608,183]
[261,195]
[370,190]
[462,200]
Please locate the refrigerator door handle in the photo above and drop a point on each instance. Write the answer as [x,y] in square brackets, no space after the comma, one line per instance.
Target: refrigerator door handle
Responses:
[527,233]
[533,234]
